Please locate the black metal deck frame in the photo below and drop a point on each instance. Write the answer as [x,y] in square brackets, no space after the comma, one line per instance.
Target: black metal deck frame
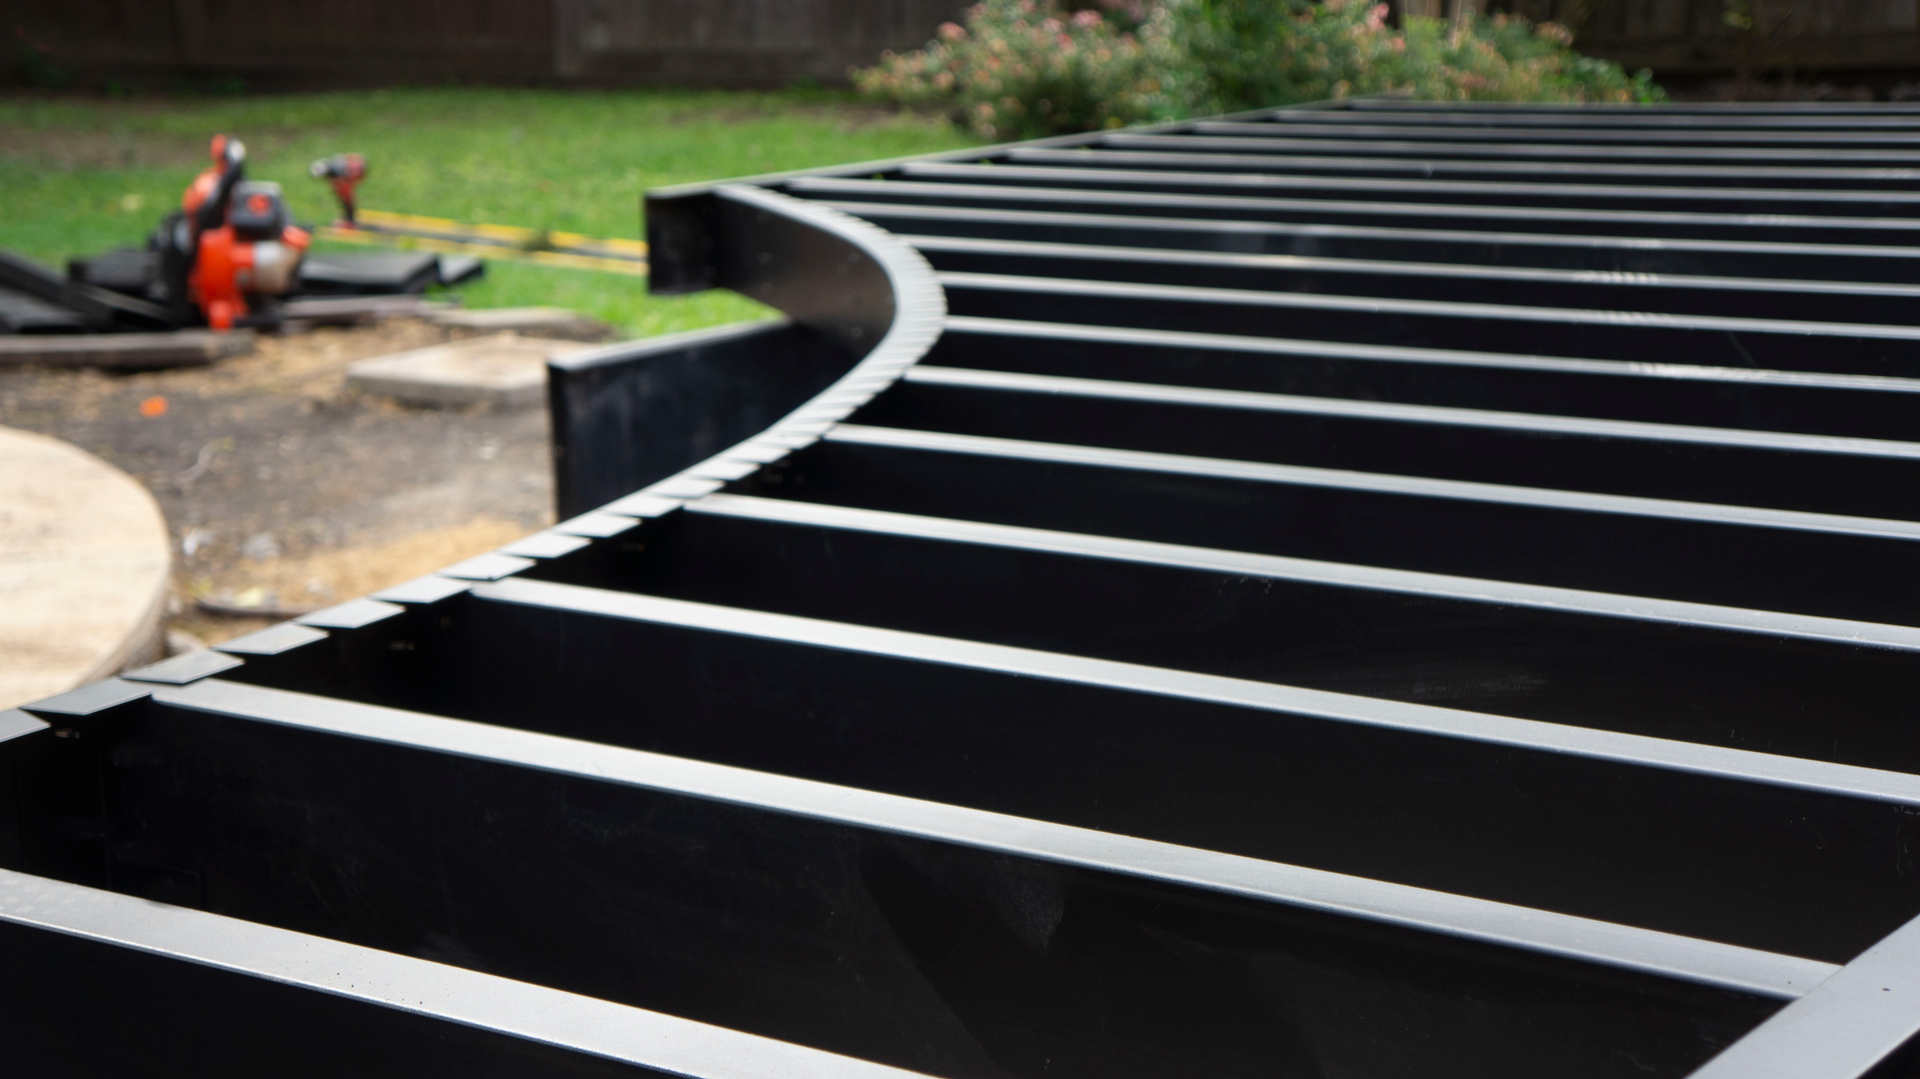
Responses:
[1367,590]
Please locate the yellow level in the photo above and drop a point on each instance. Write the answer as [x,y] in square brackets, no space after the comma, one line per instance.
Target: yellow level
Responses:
[569,249]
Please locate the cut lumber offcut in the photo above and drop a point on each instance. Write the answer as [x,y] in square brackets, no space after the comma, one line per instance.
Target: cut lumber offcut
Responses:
[130,271]
[556,322]
[123,351]
[369,273]
[29,278]
[348,310]
[98,308]
[24,314]
[235,610]
[460,269]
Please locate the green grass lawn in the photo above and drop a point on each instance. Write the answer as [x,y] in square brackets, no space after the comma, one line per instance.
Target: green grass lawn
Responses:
[81,175]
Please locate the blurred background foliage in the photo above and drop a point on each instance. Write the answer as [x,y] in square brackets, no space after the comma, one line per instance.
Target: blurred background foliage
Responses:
[1028,68]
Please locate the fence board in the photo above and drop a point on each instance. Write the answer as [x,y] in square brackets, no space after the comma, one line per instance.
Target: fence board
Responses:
[763,43]
[288,43]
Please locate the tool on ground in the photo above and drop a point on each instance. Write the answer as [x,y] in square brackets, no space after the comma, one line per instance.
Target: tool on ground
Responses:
[569,250]
[232,256]
[344,173]
[232,248]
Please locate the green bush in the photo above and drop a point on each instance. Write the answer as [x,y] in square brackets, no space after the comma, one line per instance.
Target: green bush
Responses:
[1506,58]
[1024,68]
[1027,68]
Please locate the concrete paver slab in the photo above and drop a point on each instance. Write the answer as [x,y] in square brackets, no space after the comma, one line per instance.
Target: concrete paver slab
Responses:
[551,322]
[501,369]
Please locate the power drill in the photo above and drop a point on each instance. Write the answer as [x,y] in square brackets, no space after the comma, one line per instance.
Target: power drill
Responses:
[344,172]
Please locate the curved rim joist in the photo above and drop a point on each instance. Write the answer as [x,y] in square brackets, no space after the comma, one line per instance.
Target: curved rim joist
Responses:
[912,313]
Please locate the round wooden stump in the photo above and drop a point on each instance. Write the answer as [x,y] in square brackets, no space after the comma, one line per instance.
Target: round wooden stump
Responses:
[84,561]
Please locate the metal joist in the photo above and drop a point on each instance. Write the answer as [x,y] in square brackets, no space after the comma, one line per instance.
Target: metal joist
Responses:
[1379,589]
[1083,170]
[1700,224]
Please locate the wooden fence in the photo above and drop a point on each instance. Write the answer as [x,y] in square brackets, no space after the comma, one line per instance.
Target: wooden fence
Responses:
[292,43]
[1714,37]
[765,43]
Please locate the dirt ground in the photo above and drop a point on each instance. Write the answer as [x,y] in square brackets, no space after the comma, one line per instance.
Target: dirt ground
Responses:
[283,490]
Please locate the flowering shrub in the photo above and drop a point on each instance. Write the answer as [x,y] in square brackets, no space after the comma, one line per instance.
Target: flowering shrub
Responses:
[1023,68]
[1027,68]
[1504,58]
[1244,54]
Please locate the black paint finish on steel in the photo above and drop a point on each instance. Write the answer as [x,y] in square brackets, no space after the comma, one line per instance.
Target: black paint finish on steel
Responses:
[661,407]
[1732,257]
[1731,398]
[1568,196]
[821,280]
[889,947]
[1864,1022]
[1560,164]
[1695,552]
[930,188]
[1769,344]
[1904,136]
[1375,589]
[171,1018]
[1697,681]
[1580,836]
[1879,481]
[1664,293]
[1259,148]
[17,729]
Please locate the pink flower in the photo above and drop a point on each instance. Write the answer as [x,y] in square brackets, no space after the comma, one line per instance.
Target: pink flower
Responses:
[952,31]
[1554,32]
[1086,19]
[1377,18]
